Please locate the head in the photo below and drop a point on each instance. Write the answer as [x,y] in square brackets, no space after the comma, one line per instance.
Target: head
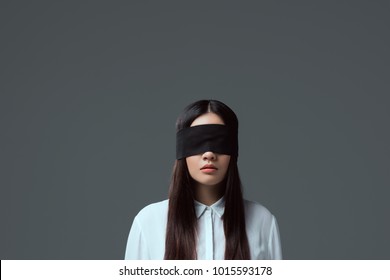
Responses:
[205,112]
[188,174]
[218,163]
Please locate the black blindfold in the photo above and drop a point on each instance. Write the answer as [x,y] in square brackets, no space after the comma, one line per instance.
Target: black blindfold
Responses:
[199,139]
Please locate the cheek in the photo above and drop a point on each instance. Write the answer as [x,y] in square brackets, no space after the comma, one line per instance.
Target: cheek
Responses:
[191,162]
[226,161]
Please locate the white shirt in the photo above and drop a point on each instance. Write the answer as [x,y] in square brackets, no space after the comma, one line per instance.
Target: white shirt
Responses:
[146,239]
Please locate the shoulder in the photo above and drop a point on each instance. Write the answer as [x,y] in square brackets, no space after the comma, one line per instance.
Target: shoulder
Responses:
[255,210]
[256,207]
[147,234]
[153,212]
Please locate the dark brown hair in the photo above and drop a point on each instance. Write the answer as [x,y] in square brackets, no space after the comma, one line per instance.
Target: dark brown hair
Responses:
[181,235]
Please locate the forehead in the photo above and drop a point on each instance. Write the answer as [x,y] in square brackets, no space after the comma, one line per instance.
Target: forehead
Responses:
[208,118]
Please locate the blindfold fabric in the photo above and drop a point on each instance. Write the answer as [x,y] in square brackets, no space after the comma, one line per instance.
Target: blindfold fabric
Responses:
[199,139]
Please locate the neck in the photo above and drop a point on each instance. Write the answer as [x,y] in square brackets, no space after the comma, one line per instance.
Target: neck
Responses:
[208,195]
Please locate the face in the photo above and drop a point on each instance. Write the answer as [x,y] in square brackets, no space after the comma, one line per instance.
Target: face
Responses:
[208,176]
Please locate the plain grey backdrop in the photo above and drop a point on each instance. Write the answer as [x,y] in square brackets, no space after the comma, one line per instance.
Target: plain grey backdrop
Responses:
[90,93]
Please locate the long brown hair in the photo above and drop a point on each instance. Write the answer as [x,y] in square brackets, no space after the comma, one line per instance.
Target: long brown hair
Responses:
[181,235]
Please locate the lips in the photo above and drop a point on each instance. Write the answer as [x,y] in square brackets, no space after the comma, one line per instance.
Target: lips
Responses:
[209,166]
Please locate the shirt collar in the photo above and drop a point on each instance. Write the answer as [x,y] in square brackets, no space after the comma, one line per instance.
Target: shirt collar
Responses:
[218,207]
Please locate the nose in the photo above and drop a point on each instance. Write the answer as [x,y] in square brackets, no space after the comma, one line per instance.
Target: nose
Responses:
[209,156]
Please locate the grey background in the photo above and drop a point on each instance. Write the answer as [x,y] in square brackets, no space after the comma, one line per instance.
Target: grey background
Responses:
[90,93]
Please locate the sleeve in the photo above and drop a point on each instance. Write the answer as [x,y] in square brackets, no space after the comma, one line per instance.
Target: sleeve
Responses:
[136,248]
[274,245]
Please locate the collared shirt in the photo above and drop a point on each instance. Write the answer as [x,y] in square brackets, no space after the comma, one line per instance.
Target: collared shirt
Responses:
[146,239]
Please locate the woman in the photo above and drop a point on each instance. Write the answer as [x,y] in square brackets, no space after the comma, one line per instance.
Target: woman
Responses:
[205,216]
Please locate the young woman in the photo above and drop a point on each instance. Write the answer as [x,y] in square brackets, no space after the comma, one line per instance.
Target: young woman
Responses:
[205,216]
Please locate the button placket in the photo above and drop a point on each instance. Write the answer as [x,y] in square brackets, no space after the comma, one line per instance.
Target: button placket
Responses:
[209,234]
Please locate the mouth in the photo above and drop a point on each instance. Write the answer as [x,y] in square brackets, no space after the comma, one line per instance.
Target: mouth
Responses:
[209,169]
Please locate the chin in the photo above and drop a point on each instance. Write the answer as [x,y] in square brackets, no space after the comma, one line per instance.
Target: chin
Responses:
[211,184]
